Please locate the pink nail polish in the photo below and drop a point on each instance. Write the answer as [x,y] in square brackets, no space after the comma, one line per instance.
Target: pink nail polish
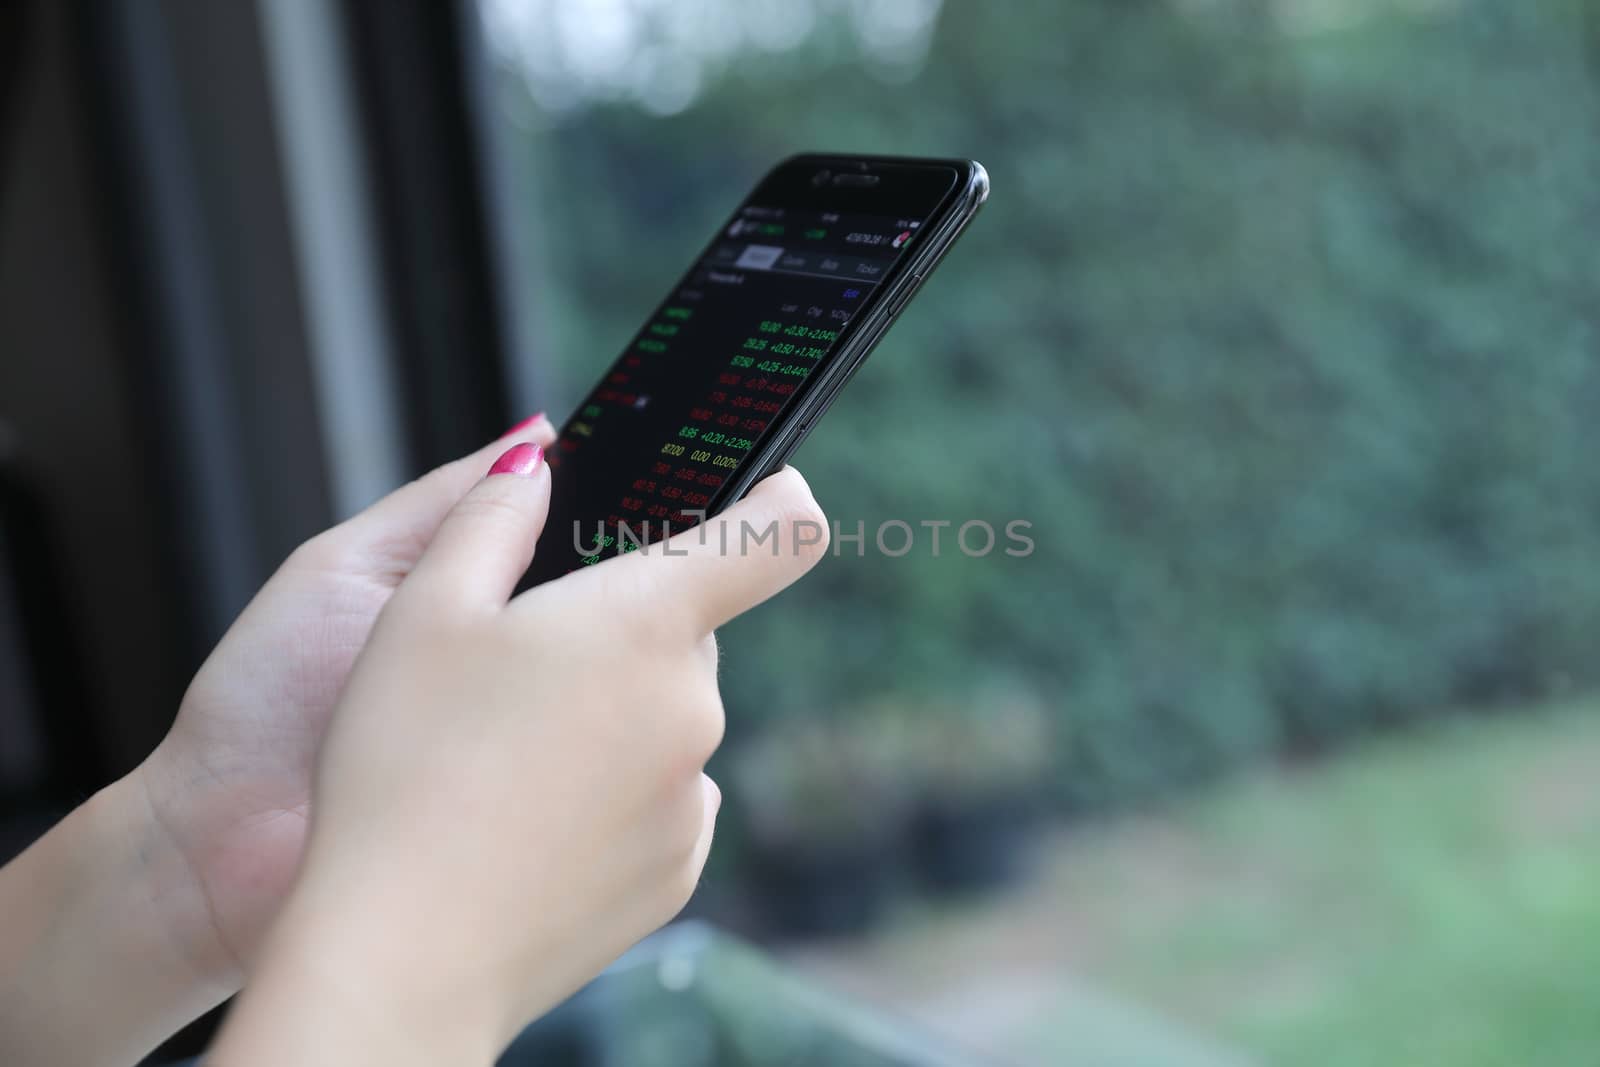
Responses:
[521,459]
[524,424]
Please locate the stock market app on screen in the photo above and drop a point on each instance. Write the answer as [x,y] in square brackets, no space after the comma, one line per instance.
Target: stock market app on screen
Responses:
[710,373]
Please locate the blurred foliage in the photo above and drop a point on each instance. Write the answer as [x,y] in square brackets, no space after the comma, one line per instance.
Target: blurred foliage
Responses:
[1280,330]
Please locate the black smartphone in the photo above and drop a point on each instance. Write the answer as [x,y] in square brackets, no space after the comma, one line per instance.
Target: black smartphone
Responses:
[737,364]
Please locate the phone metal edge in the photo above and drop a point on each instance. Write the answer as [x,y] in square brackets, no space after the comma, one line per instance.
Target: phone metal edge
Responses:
[889,306]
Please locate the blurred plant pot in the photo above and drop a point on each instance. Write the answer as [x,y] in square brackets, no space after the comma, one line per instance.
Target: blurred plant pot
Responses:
[824,889]
[824,825]
[976,772]
[965,844]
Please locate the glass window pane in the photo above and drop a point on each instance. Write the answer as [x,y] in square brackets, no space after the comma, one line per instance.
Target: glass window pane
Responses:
[1278,338]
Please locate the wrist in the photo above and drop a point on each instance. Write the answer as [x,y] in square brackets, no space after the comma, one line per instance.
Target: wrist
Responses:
[90,972]
[348,988]
[181,910]
[163,904]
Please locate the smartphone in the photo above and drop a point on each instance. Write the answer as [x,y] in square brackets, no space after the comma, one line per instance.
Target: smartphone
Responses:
[725,380]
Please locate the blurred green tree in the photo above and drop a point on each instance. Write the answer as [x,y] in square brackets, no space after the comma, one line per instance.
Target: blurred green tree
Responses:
[1279,327]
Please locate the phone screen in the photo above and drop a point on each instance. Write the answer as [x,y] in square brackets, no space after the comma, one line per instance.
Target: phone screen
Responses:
[727,355]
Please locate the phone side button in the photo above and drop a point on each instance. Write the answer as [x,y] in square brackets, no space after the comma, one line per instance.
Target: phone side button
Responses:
[792,447]
[905,297]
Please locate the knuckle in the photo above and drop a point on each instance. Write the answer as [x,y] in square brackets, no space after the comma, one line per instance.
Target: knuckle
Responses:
[325,551]
[702,729]
[685,857]
[690,816]
[682,885]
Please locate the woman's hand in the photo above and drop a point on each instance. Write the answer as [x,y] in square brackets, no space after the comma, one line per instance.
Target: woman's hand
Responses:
[229,789]
[510,793]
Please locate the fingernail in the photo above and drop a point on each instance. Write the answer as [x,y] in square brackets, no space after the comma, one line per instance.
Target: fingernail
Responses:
[524,424]
[521,459]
